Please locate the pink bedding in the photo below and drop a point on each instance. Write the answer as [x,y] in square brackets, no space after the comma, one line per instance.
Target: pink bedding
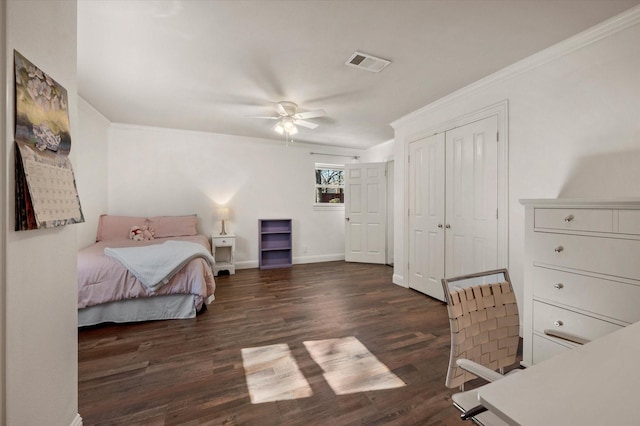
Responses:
[102,279]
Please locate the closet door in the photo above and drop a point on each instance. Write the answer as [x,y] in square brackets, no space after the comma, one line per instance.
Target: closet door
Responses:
[471,242]
[426,214]
[453,205]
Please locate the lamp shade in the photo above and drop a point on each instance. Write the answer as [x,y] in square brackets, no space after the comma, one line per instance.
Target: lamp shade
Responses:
[223,213]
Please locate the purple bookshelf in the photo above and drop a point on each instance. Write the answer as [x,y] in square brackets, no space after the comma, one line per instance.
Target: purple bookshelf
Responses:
[274,243]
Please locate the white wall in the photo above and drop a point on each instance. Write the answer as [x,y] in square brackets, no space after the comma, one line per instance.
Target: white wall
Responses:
[90,146]
[40,348]
[155,171]
[380,153]
[574,126]
[4,107]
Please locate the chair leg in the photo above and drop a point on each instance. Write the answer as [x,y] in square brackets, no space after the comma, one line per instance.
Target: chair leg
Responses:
[478,409]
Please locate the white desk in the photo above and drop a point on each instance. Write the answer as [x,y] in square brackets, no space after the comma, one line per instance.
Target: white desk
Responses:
[596,384]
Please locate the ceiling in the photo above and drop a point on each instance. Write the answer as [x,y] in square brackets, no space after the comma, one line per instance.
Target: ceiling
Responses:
[214,65]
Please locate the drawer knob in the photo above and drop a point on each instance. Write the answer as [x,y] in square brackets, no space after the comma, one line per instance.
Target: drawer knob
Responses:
[559,249]
[447,226]
[557,323]
[440,225]
[558,286]
[568,218]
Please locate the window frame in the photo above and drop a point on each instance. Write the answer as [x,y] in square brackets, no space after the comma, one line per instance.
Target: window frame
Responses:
[327,206]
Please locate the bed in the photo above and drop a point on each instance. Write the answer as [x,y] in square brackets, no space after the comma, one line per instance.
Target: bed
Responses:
[110,292]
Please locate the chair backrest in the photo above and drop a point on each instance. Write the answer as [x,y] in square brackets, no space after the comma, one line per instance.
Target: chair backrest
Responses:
[484,322]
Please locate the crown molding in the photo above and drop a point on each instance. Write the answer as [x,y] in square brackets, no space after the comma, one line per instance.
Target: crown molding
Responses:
[592,35]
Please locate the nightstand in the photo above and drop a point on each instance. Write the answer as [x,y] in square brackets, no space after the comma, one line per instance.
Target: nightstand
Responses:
[223,248]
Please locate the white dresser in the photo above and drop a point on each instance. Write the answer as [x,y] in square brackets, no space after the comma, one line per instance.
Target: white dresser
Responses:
[582,272]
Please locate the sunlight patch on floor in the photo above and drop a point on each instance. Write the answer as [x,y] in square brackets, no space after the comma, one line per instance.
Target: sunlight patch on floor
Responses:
[349,367]
[273,374]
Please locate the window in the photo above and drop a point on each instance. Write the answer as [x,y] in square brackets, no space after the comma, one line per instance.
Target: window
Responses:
[329,185]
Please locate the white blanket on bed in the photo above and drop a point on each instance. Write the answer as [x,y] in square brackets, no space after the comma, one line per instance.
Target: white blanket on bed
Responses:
[155,265]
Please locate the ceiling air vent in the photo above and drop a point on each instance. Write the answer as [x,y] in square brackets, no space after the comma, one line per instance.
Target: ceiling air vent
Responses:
[367,62]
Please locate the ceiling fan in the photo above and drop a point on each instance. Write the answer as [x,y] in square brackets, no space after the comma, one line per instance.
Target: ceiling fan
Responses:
[288,118]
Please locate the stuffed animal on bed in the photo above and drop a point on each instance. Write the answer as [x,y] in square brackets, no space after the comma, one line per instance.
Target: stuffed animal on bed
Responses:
[139,233]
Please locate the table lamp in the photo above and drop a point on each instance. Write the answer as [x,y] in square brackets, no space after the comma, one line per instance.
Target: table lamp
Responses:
[223,214]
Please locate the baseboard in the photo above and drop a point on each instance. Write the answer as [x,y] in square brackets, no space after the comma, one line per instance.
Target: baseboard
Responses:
[77,421]
[318,259]
[399,280]
[249,264]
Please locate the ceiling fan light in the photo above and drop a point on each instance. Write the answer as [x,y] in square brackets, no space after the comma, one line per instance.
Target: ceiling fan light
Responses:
[279,129]
[293,130]
[288,126]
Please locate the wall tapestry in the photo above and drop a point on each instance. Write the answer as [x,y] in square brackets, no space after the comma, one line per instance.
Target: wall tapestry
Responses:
[46,192]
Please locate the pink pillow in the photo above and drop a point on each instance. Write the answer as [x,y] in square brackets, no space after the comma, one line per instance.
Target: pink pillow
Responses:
[117,227]
[173,226]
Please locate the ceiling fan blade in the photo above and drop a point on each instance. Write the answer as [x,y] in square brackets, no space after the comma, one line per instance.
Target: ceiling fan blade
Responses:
[280,109]
[304,123]
[268,118]
[311,114]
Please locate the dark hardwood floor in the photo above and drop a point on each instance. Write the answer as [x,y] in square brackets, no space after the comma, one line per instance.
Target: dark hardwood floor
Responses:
[189,372]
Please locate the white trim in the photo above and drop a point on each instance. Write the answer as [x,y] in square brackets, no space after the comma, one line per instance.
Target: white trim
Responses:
[251,264]
[390,171]
[598,32]
[318,258]
[7,106]
[77,421]
[501,110]
[328,206]
[399,280]
[247,264]
[337,166]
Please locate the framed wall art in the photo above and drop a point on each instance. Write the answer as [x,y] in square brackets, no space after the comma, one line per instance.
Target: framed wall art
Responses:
[46,192]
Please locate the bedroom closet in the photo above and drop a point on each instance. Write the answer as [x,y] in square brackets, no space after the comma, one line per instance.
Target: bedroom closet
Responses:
[453,204]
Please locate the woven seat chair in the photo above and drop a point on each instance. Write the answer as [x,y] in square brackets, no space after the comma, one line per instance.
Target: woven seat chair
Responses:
[484,322]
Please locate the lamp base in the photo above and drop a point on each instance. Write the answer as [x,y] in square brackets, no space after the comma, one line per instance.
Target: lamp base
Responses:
[223,232]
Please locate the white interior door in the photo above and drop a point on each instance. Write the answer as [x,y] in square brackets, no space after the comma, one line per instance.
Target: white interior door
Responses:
[427,214]
[471,243]
[365,212]
[453,205]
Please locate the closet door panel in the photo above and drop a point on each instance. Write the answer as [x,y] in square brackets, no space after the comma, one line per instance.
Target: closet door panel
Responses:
[471,241]
[426,215]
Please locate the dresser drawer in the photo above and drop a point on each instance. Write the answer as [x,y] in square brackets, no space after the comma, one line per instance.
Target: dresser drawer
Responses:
[629,222]
[544,348]
[612,299]
[222,242]
[610,256]
[551,317]
[595,220]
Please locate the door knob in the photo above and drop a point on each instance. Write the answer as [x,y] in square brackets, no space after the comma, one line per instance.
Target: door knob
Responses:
[347,219]
[440,225]
[447,226]
[559,249]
